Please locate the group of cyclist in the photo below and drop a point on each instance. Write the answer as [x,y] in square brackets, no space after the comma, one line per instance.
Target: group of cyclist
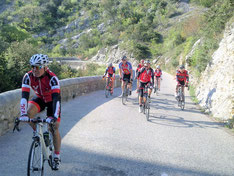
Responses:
[145,76]
[47,90]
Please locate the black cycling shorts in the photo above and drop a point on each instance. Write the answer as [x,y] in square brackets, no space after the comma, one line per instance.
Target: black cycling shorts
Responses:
[127,77]
[41,105]
[142,86]
[182,83]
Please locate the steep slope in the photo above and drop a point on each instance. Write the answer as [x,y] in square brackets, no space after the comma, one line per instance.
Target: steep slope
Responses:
[216,88]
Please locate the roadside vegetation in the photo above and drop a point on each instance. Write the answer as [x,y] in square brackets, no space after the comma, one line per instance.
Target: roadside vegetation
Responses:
[147,29]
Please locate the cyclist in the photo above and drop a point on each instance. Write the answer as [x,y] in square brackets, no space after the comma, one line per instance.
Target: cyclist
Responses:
[146,76]
[125,71]
[182,79]
[140,65]
[47,89]
[158,76]
[111,73]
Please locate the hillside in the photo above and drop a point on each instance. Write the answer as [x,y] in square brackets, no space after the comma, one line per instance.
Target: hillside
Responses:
[168,32]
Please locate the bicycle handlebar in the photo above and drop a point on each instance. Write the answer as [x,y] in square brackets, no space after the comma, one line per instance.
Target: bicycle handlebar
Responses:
[37,120]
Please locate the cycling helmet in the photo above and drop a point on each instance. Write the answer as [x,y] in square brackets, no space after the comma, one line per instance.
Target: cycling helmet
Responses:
[182,67]
[110,65]
[158,67]
[124,58]
[39,60]
[147,62]
[142,60]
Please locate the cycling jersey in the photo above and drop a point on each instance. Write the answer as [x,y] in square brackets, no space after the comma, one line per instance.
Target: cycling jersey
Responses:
[110,71]
[146,75]
[182,76]
[125,68]
[139,67]
[46,88]
[158,73]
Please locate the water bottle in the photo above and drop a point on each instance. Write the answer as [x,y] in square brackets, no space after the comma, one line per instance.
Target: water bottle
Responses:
[46,138]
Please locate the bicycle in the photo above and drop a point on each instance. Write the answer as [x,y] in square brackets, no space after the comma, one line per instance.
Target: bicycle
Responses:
[146,103]
[125,92]
[108,87]
[156,87]
[181,98]
[41,149]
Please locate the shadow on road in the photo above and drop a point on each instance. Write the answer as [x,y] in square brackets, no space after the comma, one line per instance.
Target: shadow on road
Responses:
[176,121]
[90,163]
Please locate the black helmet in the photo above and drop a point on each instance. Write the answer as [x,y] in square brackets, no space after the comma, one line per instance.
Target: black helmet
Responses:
[181,66]
[124,57]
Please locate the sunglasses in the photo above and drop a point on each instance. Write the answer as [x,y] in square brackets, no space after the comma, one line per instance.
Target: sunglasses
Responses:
[37,67]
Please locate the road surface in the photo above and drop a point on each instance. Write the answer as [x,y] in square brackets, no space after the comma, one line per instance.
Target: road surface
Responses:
[102,137]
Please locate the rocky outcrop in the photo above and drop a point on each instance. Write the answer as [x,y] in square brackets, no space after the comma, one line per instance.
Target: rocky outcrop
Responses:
[112,54]
[215,91]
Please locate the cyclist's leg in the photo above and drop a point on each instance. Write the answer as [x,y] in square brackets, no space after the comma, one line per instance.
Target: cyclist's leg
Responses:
[141,92]
[35,106]
[56,134]
[159,82]
[150,89]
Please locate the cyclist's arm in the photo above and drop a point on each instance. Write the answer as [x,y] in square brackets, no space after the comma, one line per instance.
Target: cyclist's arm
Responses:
[120,70]
[55,96]
[105,72]
[152,76]
[25,94]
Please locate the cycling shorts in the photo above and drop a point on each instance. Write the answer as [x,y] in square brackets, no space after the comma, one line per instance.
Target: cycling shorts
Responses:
[181,83]
[41,105]
[142,85]
[127,77]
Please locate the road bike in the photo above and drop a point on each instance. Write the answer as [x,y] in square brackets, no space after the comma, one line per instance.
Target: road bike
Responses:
[156,85]
[125,92]
[180,97]
[41,149]
[146,103]
[108,86]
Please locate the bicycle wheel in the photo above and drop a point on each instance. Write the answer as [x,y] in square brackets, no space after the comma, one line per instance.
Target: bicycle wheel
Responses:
[35,160]
[182,102]
[147,110]
[125,95]
[107,92]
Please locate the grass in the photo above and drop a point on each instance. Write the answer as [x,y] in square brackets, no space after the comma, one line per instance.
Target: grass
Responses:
[193,94]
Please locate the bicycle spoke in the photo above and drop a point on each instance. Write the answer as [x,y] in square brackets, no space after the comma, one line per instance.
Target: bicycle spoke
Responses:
[35,160]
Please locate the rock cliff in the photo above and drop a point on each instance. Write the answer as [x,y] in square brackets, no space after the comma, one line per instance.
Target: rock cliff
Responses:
[215,90]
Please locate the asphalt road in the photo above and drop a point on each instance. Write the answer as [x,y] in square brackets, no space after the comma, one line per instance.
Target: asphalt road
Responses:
[102,137]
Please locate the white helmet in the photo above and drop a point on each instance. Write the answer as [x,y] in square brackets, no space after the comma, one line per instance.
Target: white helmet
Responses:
[39,60]
[158,67]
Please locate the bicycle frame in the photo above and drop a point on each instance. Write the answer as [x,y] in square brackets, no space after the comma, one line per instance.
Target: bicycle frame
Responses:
[39,133]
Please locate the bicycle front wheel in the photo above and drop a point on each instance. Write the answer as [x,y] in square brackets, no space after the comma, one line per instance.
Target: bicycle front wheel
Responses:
[147,111]
[107,93]
[35,160]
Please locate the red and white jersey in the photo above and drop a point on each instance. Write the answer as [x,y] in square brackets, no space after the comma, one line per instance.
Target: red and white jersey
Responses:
[158,72]
[43,86]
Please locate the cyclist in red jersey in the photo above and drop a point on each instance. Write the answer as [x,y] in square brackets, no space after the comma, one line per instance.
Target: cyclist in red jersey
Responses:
[125,71]
[110,72]
[140,65]
[146,77]
[182,78]
[47,89]
[158,76]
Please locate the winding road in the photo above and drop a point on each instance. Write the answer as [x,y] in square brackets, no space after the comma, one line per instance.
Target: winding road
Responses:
[102,137]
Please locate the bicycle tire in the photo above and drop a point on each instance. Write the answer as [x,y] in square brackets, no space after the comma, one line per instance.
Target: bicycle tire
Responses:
[147,109]
[125,94]
[182,102]
[34,163]
[107,93]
